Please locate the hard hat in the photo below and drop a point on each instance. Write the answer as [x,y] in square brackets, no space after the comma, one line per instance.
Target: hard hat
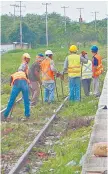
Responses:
[26,55]
[73,48]
[48,52]
[41,55]
[94,49]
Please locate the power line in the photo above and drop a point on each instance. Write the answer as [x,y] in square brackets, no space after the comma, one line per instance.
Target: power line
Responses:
[14,5]
[20,6]
[65,15]
[95,13]
[2,6]
[46,4]
[80,18]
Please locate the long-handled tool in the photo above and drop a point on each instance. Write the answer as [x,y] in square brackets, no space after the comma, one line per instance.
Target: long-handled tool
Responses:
[56,88]
[16,101]
[9,118]
[81,80]
[62,88]
[41,93]
[12,110]
[62,79]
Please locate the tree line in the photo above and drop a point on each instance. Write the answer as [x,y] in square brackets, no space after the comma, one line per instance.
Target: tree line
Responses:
[34,32]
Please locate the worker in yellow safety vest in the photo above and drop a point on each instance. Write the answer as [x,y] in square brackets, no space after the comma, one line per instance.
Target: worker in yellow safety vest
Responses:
[86,74]
[72,64]
[20,83]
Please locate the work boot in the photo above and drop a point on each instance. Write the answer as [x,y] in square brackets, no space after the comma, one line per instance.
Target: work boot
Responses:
[97,95]
[25,119]
[32,105]
[7,119]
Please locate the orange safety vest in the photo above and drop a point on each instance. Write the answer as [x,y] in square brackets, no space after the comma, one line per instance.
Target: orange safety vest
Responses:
[19,75]
[99,69]
[47,73]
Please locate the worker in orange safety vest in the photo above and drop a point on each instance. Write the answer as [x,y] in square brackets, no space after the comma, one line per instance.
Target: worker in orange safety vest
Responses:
[19,82]
[97,69]
[48,71]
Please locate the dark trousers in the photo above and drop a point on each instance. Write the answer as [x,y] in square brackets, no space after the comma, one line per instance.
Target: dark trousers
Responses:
[86,86]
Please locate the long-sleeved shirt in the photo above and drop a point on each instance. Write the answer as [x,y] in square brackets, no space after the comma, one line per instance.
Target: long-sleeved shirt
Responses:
[34,72]
[24,67]
[83,59]
[95,61]
[52,65]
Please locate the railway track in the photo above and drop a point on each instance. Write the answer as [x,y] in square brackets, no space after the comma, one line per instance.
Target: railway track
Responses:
[2,111]
[44,149]
[19,164]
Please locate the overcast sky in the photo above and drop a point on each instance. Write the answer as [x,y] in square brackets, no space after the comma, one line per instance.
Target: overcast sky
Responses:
[36,7]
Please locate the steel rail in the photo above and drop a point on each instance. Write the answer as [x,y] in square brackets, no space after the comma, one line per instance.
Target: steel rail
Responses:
[2,111]
[23,158]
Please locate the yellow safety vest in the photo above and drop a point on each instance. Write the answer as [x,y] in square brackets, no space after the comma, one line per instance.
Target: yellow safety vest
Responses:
[74,66]
[87,70]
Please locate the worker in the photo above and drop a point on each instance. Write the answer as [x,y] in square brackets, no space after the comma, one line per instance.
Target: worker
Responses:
[86,74]
[25,62]
[19,81]
[35,80]
[73,65]
[97,69]
[48,72]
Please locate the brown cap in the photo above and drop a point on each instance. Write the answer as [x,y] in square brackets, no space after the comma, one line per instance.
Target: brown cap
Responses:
[83,52]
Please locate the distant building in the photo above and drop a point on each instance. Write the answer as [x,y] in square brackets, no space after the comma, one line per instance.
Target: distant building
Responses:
[24,45]
[7,47]
[16,45]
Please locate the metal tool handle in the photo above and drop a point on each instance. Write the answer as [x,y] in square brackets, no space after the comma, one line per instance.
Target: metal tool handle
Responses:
[41,93]
[56,88]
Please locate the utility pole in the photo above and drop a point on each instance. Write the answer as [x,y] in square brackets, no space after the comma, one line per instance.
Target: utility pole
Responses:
[14,5]
[80,18]
[46,4]
[65,15]
[20,6]
[95,13]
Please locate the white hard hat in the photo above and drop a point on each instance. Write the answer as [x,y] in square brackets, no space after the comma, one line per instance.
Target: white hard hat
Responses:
[48,52]
[26,55]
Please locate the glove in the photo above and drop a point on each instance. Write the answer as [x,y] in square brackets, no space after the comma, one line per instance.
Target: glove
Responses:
[62,72]
[61,75]
[57,74]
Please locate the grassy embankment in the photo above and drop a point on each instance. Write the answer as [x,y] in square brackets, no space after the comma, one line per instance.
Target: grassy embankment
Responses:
[88,106]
